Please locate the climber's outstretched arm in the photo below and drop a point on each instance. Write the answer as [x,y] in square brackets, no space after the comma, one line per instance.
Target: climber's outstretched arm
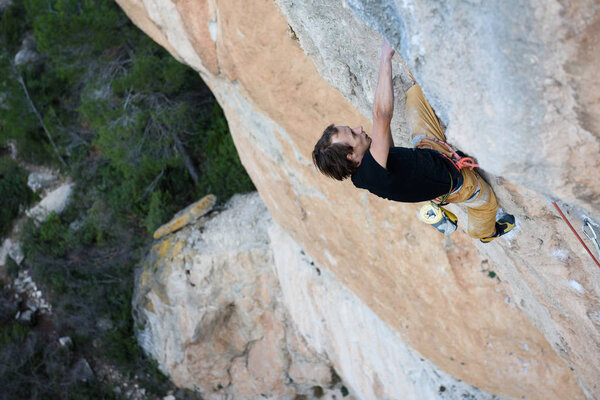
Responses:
[383,108]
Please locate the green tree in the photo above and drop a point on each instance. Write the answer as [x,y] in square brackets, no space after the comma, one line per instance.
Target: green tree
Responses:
[14,192]
[142,137]
[222,171]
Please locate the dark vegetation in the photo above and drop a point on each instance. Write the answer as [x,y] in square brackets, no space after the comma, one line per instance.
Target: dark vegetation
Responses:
[142,137]
[14,192]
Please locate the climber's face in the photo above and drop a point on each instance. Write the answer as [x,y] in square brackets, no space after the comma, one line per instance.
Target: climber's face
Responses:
[354,137]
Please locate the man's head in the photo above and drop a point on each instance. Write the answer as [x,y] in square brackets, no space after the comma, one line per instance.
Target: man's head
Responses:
[340,150]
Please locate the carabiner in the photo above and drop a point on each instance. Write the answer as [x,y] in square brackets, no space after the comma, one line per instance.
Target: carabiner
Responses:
[592,235]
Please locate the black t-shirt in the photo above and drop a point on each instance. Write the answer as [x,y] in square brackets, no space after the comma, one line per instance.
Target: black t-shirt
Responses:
[412,175]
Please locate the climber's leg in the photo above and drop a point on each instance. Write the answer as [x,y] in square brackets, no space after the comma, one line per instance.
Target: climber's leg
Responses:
[481,204]
[475,193]
[420,116]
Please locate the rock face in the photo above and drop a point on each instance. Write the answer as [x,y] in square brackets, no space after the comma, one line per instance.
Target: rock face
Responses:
[209,310]
[12,250]
[514,80]
[369,354]
[4,4]
[188,215]
[27,54]
[56,201]
[516,85]
[40,180]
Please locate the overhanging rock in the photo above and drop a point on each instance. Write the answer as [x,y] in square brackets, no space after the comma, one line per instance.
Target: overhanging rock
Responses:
[502,317]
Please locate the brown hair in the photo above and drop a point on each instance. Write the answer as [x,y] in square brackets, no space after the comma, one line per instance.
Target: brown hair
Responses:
[331,159]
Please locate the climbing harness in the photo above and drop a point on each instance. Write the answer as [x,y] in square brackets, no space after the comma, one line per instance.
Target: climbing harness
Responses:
[591,235]
[575,232]
[438,217]
[433,213]
[457,160]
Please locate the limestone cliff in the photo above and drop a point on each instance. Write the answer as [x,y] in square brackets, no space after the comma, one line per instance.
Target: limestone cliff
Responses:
[209,309]
[229,305]
[514,82]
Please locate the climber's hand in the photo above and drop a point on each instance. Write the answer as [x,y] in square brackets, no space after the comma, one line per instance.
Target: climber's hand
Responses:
[387,52]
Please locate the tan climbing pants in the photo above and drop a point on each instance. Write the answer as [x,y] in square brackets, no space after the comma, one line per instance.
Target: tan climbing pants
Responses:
[475,193]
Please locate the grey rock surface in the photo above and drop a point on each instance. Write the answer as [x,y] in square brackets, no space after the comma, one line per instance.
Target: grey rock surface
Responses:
[345,51]
[26,317]
[56,201]
[65,341]
[215,314]
[40,180]
[507,78]
[208,308]
[514,83]
[4,249]
[4,4]
[27,291]
[528,331]
[27,54]
[16,253]
[82,371]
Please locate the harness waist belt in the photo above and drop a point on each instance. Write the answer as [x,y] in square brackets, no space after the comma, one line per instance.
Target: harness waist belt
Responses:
[459,183]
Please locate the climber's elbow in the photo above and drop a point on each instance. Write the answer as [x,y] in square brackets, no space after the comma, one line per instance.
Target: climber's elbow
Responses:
[382,113]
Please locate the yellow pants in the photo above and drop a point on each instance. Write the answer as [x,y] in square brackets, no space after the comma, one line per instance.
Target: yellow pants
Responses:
[475,193]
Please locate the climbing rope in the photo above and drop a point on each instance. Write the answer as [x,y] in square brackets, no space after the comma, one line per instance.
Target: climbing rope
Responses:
[457,160]
[575,232]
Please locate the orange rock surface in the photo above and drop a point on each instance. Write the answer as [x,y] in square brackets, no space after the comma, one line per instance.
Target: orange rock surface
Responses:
[501,318]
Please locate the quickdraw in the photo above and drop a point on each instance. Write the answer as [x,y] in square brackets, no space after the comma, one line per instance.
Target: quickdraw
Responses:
[575,232]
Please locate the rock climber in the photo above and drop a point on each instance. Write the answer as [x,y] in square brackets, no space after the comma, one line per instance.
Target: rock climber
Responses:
[432,170]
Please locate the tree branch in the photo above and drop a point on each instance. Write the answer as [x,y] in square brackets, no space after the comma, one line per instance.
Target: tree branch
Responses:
[152,185]
[187,160]
[37,113]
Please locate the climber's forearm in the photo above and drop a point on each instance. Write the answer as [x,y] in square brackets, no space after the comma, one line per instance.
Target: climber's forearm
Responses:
[383,105]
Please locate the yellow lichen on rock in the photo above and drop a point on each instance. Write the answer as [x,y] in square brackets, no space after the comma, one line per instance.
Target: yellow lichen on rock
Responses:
[187,216]
[162,248]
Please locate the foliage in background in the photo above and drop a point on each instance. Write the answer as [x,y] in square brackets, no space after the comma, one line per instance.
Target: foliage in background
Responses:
[46,366]
[14,192]
[141,136]
[221,170]
[105,90]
